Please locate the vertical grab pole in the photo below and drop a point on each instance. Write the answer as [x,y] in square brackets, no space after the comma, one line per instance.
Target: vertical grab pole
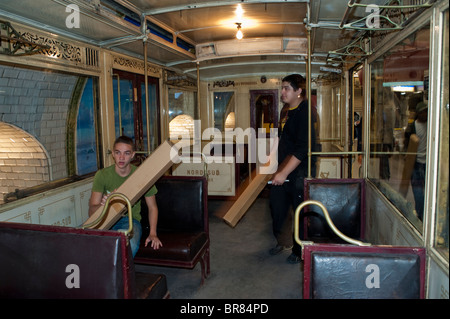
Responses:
[118,102]
[308,83]
[145,47]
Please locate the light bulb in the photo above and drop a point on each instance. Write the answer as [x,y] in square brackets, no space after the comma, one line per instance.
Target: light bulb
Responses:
[239,34]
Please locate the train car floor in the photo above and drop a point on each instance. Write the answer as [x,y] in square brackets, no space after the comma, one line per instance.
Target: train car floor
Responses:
[241,266]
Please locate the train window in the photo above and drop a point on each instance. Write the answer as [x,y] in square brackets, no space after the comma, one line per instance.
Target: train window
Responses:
[183,111]
[337,127]
[48,129]
[153,114]
[398,124]
[123,107]
[442,211]
[224,110]
[130,110]
[86,143]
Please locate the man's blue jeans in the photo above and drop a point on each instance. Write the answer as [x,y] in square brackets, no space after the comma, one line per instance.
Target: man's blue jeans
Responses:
[122,225]
[418,187]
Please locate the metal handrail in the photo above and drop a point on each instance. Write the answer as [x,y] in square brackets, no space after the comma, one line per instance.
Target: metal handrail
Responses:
[329,221]
[105,209]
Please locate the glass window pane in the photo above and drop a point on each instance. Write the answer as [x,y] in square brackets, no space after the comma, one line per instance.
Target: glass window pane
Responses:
[398,124]
[223,106]
[153,116]
[441,235]
[183,111]
[124,119]
[86,148]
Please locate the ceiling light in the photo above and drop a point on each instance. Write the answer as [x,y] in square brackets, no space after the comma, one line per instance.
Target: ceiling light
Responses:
[239,13]
[239,34]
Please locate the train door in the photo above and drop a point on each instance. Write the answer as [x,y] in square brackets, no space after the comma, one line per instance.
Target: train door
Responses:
[264,110]
[130,112]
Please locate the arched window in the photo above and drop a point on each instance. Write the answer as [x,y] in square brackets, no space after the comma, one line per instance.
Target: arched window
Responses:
[24,163]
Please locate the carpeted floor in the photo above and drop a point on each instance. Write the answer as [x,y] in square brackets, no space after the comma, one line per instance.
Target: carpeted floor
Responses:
[241,266]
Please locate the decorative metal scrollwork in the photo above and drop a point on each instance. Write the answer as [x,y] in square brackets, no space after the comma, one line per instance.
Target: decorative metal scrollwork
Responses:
[13,43]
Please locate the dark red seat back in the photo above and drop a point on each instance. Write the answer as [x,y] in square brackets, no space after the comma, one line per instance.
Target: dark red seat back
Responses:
[39,261]
[333,271]
[345,202]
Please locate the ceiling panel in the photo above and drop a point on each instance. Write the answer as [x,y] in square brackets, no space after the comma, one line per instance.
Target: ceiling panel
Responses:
[51,16]
[205,24]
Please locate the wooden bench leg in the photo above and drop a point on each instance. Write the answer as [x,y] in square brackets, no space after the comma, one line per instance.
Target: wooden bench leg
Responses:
[205,265]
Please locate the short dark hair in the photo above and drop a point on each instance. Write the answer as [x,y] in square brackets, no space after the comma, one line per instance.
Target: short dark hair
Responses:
[297,82]
[125,140]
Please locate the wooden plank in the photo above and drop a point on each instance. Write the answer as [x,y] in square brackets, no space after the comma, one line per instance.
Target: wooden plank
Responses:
[410,159]
[246,199]
[136,185]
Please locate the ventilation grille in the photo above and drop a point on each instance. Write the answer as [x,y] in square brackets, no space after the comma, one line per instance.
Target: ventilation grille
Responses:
[91,57]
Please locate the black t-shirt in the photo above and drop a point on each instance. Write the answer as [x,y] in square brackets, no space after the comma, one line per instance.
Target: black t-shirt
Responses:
[294,139]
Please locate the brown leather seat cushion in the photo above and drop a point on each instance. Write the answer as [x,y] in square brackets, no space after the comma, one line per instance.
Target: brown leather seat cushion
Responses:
[176,246]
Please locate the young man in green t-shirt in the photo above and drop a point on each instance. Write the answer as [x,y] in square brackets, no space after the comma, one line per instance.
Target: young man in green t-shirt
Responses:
[108,179]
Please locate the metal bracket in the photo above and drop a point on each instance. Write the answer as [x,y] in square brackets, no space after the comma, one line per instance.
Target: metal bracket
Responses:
[354,50]
[384,17]
[14,44]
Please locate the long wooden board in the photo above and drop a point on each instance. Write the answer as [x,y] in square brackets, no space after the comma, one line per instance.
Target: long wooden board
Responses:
[246,199]
[136,185]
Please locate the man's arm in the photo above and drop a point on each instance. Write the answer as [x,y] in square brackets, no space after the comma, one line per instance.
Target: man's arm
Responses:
[153,221]
[97,199]
[286,167]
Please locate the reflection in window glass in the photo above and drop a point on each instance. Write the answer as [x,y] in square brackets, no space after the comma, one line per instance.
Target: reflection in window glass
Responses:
[223,106]
[86,148]
[398,124]
[153,116]
[441,238]
[336,126]
[182,112]
[123,107]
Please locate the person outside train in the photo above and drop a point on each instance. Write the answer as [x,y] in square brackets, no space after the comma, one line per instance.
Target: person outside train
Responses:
[419,127]
[286,192]
[109,179]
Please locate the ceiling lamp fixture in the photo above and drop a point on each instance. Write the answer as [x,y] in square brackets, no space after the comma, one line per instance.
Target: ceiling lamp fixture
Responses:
[239,19]
[239,34]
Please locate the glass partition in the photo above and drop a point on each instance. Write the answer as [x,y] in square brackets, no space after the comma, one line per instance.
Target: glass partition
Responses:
[398,124]
[223,110]
[183,111]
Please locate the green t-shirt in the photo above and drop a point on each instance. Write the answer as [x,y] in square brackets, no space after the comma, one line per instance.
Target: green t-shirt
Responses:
[107,180]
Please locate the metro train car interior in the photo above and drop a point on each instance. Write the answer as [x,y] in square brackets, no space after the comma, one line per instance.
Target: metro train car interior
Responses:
[197,86]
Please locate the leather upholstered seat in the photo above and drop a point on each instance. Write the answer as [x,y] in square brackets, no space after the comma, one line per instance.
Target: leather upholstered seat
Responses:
[183,225]
[39,261]
[344,200]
